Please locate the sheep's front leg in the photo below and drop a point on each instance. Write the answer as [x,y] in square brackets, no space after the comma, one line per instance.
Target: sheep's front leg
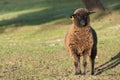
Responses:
[84,64]
[77,65]
[76,59]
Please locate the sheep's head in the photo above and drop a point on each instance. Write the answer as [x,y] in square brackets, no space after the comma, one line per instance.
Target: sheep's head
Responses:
[81,17]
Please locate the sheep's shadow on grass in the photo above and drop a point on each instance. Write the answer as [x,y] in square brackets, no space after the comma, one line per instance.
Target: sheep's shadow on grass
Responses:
[112,63]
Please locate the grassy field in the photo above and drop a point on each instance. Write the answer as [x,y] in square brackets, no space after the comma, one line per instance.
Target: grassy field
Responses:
[32,40]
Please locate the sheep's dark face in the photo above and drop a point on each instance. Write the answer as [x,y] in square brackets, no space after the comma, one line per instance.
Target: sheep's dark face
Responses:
[81,17]
[80,20]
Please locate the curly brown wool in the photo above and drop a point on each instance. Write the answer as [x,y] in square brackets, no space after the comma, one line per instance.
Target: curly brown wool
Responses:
[81,40]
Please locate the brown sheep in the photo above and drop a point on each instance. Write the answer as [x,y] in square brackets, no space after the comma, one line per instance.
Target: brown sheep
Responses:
[81,40]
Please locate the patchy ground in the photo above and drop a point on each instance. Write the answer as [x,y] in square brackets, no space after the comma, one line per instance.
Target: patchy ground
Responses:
[32,41]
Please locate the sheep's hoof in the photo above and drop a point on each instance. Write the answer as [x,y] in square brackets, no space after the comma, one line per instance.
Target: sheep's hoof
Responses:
[78,73]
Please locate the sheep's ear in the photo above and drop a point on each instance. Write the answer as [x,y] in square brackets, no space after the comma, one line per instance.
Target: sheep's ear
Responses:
[90,12]
[72,17]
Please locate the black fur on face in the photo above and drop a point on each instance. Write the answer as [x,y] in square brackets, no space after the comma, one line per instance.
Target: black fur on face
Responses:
[81,20]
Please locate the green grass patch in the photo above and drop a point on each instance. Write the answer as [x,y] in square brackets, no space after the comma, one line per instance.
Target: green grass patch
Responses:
[32,40]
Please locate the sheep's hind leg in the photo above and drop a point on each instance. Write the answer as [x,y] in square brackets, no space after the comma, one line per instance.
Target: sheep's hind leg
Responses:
[92,66]
[92,60]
